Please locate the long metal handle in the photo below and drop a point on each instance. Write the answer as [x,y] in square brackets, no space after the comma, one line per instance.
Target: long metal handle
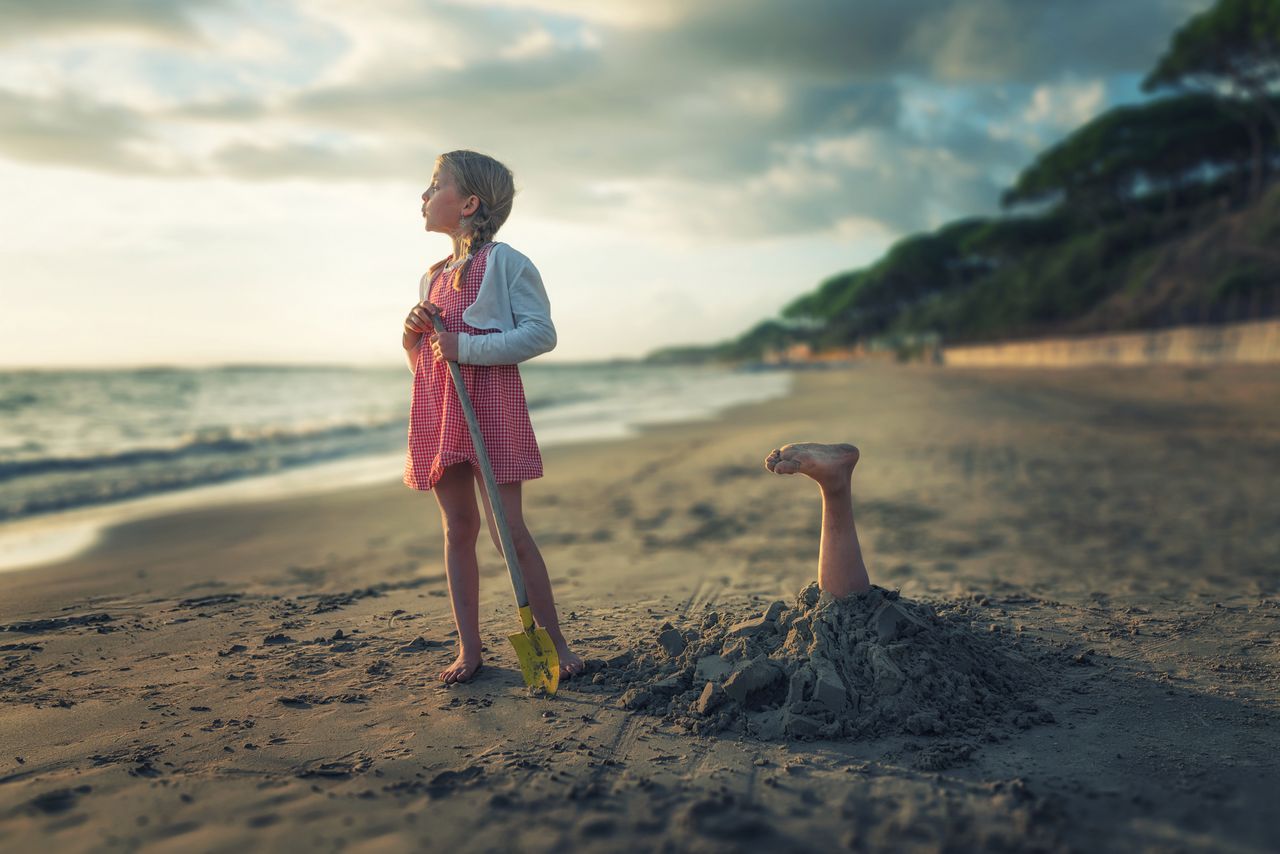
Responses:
[491,486]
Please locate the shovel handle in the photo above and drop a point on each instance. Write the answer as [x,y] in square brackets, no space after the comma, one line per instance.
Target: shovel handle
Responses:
[491,487]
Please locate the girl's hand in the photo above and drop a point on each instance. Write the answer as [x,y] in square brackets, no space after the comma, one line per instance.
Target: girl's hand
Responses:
[444,346]
[419,319]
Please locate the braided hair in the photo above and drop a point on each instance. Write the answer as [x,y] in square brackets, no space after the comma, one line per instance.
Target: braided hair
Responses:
[481,176]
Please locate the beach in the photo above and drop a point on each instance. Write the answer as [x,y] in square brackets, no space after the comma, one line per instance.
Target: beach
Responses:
[261,675]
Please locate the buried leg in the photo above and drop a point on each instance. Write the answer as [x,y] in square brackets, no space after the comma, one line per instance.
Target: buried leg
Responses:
[840,567]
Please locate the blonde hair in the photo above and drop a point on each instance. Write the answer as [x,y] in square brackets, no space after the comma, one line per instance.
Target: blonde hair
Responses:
[481,176]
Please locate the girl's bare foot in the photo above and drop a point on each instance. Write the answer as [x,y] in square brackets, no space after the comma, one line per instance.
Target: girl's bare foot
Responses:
[463,668]
[827,464]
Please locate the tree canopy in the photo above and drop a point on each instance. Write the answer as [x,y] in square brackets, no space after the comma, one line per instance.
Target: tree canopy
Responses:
[1130,151]
[1232,50]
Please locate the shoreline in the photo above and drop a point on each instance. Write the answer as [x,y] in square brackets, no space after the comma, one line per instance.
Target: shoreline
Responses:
[28,543]
[32,542]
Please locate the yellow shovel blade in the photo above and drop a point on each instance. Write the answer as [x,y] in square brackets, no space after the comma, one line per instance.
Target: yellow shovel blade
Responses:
[538,659]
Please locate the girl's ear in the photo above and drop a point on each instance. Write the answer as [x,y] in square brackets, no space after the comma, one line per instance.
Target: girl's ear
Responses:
[471,205]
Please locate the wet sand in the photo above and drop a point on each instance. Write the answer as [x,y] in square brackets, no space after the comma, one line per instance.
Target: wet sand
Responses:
[262,675]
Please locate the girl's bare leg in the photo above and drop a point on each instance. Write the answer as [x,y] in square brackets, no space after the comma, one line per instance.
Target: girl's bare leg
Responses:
[841,570]
[456,495]
[537,583]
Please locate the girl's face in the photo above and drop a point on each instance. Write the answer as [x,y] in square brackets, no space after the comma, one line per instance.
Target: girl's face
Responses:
[443,205]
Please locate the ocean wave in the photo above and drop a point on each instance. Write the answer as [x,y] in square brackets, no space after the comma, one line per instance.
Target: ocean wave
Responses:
[18,401]
[110,436]
[211,442]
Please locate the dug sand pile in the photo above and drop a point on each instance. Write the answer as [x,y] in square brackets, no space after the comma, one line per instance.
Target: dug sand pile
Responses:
[867,665]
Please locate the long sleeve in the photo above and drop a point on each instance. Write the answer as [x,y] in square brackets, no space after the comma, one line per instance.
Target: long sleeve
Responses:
[533,332]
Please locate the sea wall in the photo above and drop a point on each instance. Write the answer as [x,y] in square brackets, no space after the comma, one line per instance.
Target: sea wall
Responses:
[1255,342]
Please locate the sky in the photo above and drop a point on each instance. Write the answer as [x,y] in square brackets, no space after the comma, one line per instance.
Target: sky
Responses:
[196,182]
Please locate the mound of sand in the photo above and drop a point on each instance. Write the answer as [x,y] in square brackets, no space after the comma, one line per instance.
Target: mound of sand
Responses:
[867,665]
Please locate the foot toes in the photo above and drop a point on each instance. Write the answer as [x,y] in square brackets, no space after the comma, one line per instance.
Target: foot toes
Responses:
[459,673]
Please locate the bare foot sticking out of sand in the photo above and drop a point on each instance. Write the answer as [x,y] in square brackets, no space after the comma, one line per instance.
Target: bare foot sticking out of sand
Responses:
[824,463]
[463,669]
[841,570]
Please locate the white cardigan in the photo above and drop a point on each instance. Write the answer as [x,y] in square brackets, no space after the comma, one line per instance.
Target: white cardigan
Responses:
[511,300]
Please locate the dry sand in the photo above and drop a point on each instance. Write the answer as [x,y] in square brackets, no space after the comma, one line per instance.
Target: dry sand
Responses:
[260,677]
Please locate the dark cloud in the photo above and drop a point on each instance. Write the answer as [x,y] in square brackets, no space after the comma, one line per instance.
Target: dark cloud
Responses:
[946,40]
[581,106]
[69,130]
[840,107]
[169,19]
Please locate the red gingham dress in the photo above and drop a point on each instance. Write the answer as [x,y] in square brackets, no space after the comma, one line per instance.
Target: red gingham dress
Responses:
[438,434]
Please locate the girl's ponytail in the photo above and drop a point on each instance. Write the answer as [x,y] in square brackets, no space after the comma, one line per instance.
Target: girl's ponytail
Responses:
[481,176]
[481,229]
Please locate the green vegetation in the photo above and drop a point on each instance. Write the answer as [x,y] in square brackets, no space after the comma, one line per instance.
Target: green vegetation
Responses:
[1150,215]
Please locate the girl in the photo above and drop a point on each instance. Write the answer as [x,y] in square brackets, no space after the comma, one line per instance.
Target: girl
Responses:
[496,313]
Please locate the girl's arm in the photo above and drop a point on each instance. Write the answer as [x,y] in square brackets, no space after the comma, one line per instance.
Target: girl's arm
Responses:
[411,349]
[534,333]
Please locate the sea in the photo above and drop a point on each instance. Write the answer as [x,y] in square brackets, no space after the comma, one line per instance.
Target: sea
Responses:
[76,439]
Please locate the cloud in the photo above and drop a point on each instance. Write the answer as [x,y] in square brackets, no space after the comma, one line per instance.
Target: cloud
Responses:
[273,162]
[619,14]
[167,20]
[725,117]
[70,129]
[1016,41]
[1066,105]
[955,41]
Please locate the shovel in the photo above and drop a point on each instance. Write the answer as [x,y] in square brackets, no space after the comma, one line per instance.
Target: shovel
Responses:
[539,662]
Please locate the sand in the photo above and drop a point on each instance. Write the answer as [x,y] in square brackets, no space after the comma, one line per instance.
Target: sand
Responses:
[866,665]
[260,676]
